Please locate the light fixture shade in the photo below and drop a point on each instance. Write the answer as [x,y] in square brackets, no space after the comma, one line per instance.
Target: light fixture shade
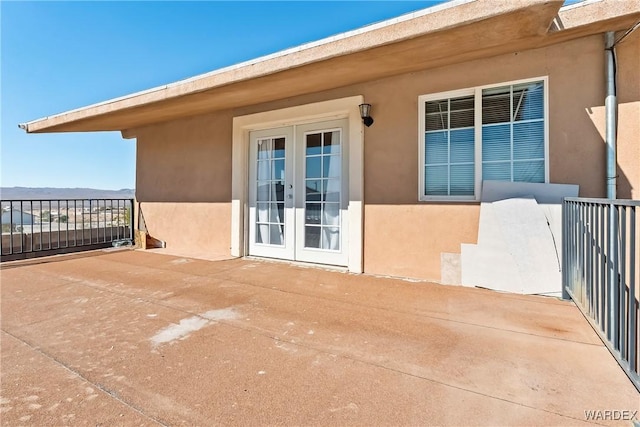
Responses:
[365,110]
[365,114]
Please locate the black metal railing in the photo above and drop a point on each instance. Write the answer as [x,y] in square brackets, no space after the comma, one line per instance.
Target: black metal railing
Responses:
[32,228]
[601,272]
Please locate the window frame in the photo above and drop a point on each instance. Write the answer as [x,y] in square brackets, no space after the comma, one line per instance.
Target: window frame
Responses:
[476,91]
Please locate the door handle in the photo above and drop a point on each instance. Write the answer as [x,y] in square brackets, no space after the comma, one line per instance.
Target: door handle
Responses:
[290,186]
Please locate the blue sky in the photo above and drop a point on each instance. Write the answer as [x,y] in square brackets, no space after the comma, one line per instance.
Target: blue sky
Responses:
[57,56]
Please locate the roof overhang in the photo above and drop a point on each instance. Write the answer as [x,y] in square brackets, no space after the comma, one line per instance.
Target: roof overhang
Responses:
[453,32]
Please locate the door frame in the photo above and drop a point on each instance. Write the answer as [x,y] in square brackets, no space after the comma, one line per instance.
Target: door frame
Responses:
[343,108]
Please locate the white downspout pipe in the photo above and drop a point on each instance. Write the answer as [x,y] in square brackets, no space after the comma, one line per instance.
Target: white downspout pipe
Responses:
[610,104]
[610,136]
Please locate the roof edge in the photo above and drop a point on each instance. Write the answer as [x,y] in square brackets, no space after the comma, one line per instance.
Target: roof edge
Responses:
[292,50]
[592,12]
[572,21]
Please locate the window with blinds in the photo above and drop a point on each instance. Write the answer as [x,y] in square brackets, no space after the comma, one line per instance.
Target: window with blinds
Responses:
[513,133]
[449,147]
[489,133]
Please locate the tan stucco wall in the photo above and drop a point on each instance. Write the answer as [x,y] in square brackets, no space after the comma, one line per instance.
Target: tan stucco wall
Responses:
[407,240]
[391,165]
[190,228]
[183,183]
[402,236]
[628,54]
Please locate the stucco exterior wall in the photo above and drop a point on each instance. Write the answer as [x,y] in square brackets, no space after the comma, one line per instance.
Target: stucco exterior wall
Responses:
[183,183]
[628,54]
[576,150]
[402,236]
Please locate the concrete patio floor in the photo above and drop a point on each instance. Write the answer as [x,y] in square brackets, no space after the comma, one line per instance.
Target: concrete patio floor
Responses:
[135,338]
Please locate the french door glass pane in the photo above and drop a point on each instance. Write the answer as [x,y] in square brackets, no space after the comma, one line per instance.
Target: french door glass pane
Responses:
[313,189]
[262,212]
[327,238]
[277,170]
[270,172]
[331,190]
[276,212]
[312,213]
[278,148]
[314,167]
[276,235]
[263,170]
[277,191]
[262,194]
[314,144]
[262,233]
[331,143]
[331,238]
[331,214]
[264,148]
[312,237]
[323,164]
[331,166]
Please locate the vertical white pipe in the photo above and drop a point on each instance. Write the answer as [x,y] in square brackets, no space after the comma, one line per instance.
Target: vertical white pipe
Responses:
[610,135]
[610,114]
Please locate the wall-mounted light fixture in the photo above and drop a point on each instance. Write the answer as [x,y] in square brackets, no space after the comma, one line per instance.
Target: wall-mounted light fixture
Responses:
[365,110]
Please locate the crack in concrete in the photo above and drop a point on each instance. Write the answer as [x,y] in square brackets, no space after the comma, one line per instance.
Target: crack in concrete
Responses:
[110,393]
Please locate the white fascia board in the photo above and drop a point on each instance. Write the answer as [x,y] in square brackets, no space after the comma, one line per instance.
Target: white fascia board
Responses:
[368,28]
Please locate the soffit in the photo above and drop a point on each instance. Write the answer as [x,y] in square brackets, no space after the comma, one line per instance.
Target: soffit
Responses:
[465,32]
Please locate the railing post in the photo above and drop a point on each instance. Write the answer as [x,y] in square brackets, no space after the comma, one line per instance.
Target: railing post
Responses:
[622,282]
[565,249]
[11,228]
[613,277]
[632,303]
[604,273]
[132,216]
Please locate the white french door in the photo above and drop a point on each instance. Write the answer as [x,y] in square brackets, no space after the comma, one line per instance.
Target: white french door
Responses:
[321,197]
[298,193]
[271,209]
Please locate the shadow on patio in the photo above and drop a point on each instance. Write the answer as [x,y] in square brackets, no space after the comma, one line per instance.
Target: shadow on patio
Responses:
[129,337]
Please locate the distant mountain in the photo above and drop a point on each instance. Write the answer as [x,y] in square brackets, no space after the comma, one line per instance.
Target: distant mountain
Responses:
[31,193]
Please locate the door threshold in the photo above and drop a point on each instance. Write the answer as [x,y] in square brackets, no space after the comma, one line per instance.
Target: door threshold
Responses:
[303,264]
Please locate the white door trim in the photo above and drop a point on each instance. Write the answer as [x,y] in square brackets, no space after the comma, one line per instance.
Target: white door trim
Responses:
[308,113]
